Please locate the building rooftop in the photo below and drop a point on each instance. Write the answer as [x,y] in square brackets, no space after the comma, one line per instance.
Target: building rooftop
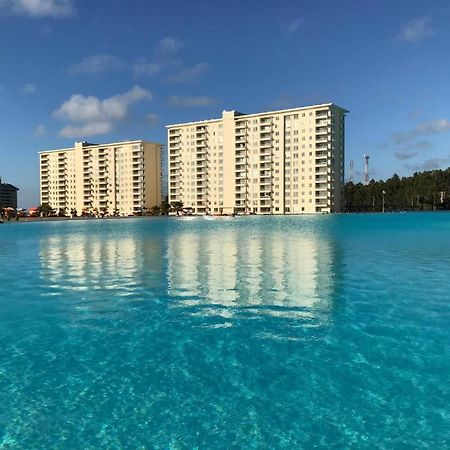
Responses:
[88,144]
[7,186]
[238,114]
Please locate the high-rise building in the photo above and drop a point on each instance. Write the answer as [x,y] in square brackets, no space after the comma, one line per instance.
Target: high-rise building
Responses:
[121,178]
[8,195]
[280,162]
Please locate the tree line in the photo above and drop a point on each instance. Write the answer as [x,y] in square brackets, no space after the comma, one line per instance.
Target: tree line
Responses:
[429,190]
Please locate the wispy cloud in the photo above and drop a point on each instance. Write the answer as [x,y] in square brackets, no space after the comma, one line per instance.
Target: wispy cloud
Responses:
[164,56]
[180,101]
[435,126]
[144,67]
[38,8]
[40,130]
[152,119]
[293,25]
[417,29]
[28,88]
[189,74]
[430,164]
[402,156]
[96,64]
[410,144]
[168,46]
[90,116]
[425,128]
[435,163]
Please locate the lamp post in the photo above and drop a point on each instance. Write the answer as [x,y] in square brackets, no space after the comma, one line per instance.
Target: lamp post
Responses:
[383,193]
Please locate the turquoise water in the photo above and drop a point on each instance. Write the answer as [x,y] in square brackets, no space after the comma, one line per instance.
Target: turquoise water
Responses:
[259,332]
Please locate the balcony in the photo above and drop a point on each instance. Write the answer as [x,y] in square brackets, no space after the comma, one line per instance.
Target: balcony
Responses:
[323,185]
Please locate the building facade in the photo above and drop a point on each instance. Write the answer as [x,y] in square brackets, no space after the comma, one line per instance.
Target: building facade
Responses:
[8,195]
[120,178]
[281,162]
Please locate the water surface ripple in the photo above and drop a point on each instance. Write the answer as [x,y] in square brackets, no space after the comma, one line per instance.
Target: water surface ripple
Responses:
[258,332]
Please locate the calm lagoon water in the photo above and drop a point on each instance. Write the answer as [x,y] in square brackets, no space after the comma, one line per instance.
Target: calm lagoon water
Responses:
[258,332]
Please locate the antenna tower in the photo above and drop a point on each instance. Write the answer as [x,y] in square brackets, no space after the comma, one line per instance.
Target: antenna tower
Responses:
[366,169]
[352,163]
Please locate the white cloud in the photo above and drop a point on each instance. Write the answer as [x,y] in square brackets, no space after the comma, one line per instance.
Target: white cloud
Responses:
[435,126]
[426,128]
[40,130]
[181,101]
[38,8]
[143,67]
[417,29]
[189,74]
[29,88]
[96,64]
[93,116]
[168,45]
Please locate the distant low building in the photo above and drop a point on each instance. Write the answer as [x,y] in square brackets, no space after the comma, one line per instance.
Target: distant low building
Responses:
[8,195]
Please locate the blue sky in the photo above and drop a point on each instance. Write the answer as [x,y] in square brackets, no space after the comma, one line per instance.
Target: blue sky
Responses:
[112,70]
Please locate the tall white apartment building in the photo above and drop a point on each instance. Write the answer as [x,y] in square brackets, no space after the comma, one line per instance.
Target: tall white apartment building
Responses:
[122,177]
[280,162]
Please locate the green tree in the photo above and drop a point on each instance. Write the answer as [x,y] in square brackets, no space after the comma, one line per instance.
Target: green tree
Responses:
[165,206]
[177,206]
[155,210]
[45,210]
[427,190]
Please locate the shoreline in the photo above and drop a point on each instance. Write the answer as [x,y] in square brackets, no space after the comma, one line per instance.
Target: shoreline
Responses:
[62,219]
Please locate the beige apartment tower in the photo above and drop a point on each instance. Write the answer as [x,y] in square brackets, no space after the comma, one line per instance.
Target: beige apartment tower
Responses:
[279,162]
[121,178]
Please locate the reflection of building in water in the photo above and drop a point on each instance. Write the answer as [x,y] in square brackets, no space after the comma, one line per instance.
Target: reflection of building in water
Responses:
[93,268]
[278,274]
[207,271]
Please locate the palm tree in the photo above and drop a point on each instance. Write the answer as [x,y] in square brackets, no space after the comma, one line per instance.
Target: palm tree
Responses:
[165,206]
[155,210]
[177,206]
[45,210]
